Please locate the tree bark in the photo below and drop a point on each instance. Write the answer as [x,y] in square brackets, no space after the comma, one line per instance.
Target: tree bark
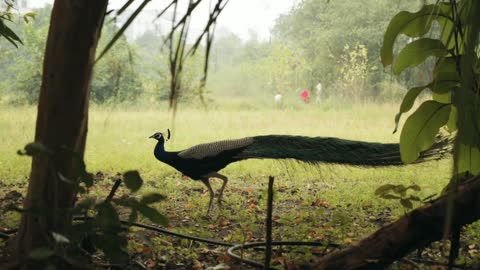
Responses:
[62,119]
[414,230]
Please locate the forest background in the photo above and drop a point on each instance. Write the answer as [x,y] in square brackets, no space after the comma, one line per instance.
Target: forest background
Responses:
[336,43]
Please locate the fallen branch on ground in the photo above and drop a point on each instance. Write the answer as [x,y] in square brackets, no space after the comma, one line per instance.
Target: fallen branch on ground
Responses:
[415,230]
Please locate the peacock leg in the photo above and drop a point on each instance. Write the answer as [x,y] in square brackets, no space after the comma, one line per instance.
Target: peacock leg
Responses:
[210,190]
[223,178]
[220,194]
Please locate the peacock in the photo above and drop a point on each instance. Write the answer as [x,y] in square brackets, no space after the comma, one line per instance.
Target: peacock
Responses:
[203,161]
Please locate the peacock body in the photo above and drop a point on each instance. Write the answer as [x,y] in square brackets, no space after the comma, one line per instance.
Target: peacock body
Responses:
[203,161]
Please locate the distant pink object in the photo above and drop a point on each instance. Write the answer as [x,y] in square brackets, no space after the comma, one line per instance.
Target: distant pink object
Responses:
[305,96]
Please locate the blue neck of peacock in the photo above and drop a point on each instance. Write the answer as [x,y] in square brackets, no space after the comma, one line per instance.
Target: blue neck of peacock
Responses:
[159,151]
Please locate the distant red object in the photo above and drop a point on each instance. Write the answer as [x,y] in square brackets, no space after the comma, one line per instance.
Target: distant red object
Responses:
[305,96]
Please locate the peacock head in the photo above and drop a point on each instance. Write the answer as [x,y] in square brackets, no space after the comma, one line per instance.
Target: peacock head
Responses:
[160,137]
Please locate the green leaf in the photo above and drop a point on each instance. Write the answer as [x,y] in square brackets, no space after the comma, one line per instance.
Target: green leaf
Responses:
[87,178]
[152,198]
[81,169]
[132,180]
[443,86]
[107,215]
[87,203]
[30,15]
[60,238]
[406,203]
[64,178]
[133,215]
[153,214]
[447,35]
[452,119]
[113,243]
[129,202]
[407,103]
[445,98]
[439,89]
[419,131]
[33,149]
[468,157]
[6,32]
[41,253]
[446,70]
[411,24]
[416,52]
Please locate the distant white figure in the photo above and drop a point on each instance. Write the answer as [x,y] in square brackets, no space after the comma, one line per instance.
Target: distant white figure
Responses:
[318,96]
[278,100]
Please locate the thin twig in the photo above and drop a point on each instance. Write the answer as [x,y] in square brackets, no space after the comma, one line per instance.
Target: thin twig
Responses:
[112,192]
[268,225]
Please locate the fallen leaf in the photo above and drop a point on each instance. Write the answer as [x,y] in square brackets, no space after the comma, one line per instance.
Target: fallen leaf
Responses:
[252,200]
[223,222]
[348,240]
[197,265]
[146,249]
[280,260]
[150,263]
[292,266]
[224,258]
[321,203]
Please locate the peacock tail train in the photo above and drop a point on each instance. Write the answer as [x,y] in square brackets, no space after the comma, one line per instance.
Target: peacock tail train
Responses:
[312,150]
[331,150]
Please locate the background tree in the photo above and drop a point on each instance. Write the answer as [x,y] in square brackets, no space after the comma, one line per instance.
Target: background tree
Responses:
[21,76]
[320,31]
[115,78]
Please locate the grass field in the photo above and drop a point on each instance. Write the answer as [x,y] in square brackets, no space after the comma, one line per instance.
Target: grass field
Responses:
[117,141]
[324,202]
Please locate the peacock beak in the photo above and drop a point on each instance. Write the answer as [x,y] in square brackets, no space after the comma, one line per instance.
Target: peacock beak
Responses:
[153,136]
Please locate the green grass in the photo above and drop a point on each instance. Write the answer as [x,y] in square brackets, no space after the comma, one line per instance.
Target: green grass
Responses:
[118,141]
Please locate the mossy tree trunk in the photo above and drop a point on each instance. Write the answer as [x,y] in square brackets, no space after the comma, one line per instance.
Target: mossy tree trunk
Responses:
[62,119]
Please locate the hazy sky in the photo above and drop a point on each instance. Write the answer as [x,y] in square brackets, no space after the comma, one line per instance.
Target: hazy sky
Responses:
[239,16]
[258,15]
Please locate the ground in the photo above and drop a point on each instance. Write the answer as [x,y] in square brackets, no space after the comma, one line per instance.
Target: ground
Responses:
[327,203]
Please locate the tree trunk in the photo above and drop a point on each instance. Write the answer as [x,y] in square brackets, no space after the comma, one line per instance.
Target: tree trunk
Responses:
[414,230]
[62,119]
